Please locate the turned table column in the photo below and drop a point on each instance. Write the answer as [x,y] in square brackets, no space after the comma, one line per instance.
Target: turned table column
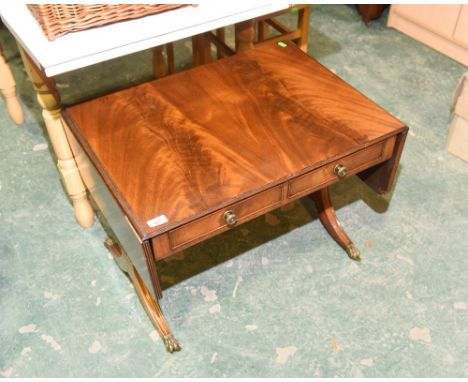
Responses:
[49,100]
[245,35]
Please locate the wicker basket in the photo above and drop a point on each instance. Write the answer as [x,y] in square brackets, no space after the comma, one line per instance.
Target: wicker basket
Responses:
[59,19]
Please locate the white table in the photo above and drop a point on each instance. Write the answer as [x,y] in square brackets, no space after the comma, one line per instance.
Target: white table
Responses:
[44,59]
[80,49]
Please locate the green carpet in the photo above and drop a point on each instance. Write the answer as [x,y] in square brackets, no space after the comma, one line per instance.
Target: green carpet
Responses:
[274,297]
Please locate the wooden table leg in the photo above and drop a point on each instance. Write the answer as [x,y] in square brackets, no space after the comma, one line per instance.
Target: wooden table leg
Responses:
[370,12]
[221,34]
[263,31]
[49,100]
[201,50]
[329,220]
[159,64]
[160,67]
[151,306]
[8,89]
[303,24]
[170,58]
[245,35]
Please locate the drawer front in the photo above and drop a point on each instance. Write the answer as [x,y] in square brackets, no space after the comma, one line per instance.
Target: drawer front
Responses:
[256,205]
[214,223]
[354,163]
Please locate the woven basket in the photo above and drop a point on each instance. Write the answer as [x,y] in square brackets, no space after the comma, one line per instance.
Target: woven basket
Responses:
[59,19]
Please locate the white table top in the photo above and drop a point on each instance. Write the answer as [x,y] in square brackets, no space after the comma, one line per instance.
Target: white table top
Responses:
[79,49]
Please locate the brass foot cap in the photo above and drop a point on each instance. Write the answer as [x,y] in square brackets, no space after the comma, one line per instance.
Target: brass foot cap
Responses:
[108,243]
[172,345]
[353,252]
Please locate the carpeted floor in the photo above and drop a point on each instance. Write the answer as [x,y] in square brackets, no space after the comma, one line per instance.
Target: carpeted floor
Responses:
[274,297]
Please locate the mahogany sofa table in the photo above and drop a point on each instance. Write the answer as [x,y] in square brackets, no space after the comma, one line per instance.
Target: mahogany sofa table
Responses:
[178,160]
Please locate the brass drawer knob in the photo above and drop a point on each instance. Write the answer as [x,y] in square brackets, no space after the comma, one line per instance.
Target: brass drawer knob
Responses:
[230,218]
[340,170]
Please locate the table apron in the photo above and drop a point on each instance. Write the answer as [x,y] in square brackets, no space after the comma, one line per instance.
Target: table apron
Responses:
[247,209]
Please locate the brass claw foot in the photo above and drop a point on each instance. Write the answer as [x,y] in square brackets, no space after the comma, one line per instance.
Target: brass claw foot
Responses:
[172,345]
[353,252]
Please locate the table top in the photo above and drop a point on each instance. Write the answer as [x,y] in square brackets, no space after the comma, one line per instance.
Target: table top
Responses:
[80,49]
[185,145]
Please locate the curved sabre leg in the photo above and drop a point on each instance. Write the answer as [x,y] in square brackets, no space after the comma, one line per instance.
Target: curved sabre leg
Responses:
[329,220]
[151,306]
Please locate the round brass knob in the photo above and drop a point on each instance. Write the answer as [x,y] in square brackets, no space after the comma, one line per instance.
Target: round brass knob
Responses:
[230,218]
[340,170]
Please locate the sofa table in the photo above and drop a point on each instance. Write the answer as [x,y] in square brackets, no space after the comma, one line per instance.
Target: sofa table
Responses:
[178,160]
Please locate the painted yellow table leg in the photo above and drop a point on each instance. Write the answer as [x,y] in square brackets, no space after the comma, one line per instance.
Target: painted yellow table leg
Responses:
[49,100]
[8,89]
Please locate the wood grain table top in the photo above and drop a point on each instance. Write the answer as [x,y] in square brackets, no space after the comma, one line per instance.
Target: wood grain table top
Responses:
[188,144]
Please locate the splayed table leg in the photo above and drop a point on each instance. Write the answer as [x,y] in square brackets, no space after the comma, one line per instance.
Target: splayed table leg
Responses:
[149,303]
[329,220]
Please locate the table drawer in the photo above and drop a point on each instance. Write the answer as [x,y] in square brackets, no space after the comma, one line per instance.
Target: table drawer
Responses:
[354,163]
[214,223]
